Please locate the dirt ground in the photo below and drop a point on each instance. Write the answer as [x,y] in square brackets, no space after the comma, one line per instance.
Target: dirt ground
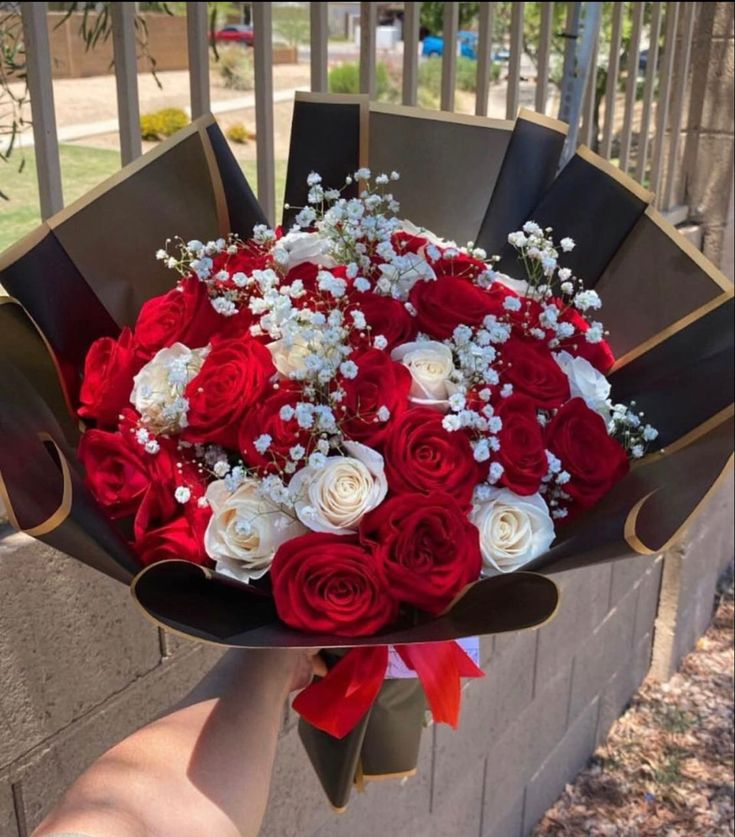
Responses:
[667,767]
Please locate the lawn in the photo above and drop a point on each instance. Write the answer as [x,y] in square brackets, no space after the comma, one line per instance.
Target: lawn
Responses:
[81,168]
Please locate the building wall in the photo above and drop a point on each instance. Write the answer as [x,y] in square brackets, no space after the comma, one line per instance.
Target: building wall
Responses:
[81,668]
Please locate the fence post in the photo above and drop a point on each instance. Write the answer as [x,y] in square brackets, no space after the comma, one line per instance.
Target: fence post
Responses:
[126,80]
[48,166]
[263,65]
[198,46]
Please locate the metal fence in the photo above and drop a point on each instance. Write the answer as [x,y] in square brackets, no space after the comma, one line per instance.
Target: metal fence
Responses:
[646,144]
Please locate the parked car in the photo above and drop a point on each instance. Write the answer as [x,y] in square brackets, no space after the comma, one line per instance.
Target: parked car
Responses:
[466,45]
[235,33]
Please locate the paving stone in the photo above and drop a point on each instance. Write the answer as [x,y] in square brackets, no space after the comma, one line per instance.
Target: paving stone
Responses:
[508,822]
[8,821]
[584,602]
[49,769]
[567,759]
[608,649]
[526,744]
[616,695]
[489,706]
[458,814]
[648,596]
[626,574]
[69,639]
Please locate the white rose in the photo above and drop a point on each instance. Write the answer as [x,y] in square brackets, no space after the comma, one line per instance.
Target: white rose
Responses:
[289,356]
[335,497]
[585,382]
[513,529]
[414,269]
[306,247]
[245,530]
[431,366]
[158,389]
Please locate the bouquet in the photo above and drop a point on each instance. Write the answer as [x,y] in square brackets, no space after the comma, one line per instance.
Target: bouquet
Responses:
[349,432]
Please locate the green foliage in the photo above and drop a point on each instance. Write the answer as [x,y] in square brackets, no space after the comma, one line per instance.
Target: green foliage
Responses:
[291,23]
[239,133]
[432,16]
[234,64]
[162,123]
[345,78]
[430,78]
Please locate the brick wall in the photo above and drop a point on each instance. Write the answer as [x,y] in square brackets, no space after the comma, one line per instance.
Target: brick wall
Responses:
[81,668]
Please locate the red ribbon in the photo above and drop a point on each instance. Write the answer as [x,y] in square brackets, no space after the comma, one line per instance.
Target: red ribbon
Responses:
[336,703]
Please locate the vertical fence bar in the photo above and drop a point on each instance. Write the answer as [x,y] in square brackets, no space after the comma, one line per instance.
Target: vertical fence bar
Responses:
[677,108]
[38,69]
[411,16]
[662,103]
[544,50]
[450,27]
[198,47]
[648,87]
[484,57]
[514,68]
[611,87]
[587,135]
[126,80]
[631,84]
[318,34]
[263,65]
[368,24]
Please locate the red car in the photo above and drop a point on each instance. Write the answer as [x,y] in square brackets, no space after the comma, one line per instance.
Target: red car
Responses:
[235,34]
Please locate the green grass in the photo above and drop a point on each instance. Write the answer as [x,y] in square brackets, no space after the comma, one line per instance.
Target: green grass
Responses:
[81,169]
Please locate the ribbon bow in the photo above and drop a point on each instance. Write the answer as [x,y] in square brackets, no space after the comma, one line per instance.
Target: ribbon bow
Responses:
[337,702]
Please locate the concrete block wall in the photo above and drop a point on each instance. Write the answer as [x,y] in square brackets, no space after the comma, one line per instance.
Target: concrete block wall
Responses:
[80,668]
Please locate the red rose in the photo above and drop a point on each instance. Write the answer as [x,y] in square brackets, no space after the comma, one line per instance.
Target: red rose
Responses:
[330,584]
[380,382]
[594,460]
[181,539]
[108,378]
[531,368]
[427,549]
[387,317]
[420,455]
[120,472]
[285,433]
[183,315]
[233,378]
[462,265]
[444,304]
[600,354]
[405,242]
[522,450]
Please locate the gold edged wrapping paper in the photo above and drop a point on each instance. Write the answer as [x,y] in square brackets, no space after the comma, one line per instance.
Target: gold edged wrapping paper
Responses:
[42,485]
[86,271]
[592,202]
[384,745]
[461,159]
[185,598]
[329,135]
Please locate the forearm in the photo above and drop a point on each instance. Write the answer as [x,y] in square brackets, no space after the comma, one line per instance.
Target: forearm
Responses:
[201,770]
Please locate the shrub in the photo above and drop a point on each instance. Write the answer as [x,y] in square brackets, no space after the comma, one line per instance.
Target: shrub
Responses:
[430,78]
[162,123]
[466,74]
[239,133]
[345,78]
[235,67]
